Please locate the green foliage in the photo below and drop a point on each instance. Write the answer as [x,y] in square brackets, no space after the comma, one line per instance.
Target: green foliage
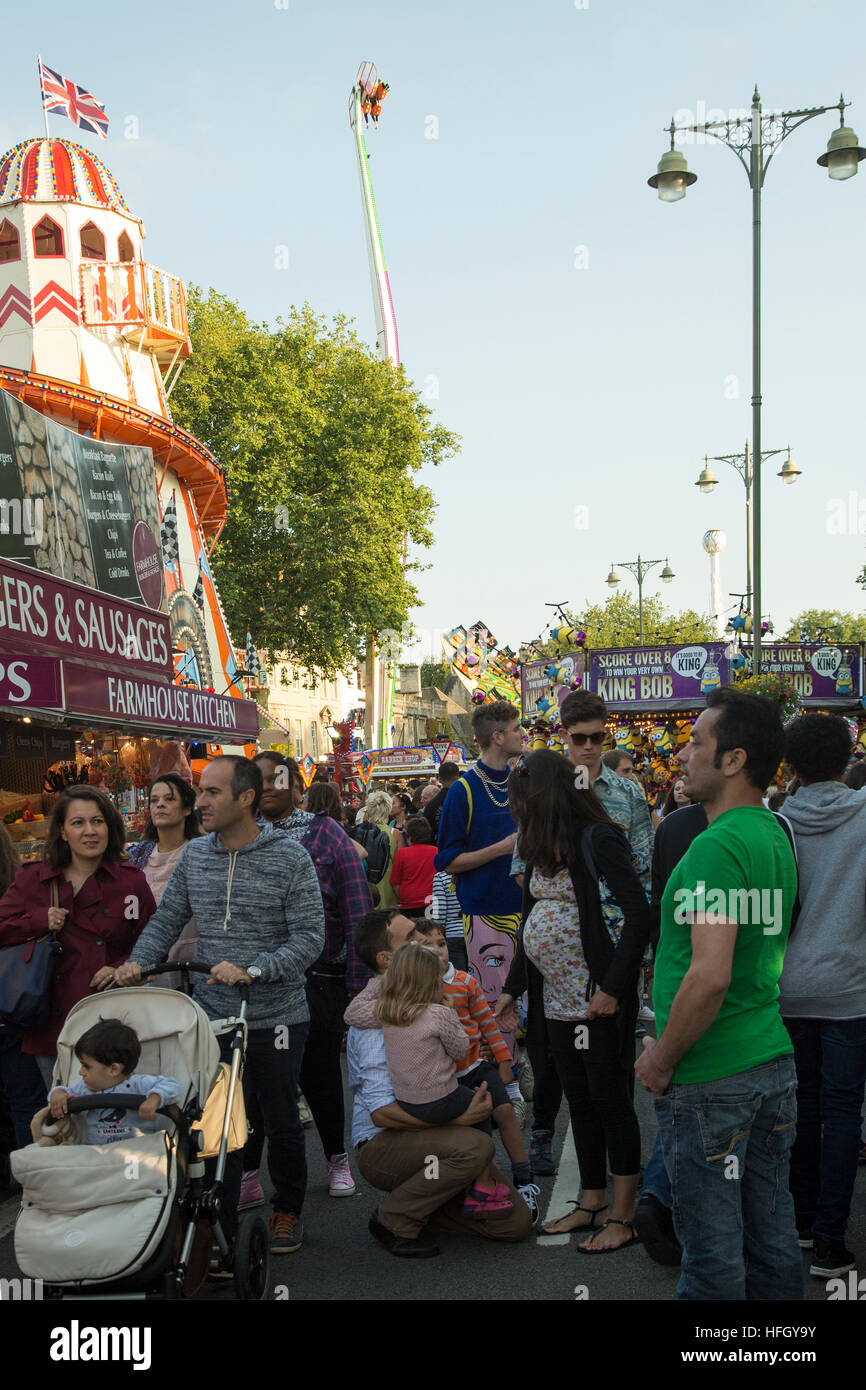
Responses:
[434,673]
[835,626]
[614,623]
[322,443]
[774,687]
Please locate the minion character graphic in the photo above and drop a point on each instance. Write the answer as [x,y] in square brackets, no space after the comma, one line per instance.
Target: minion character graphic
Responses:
[844,681]
[710,678]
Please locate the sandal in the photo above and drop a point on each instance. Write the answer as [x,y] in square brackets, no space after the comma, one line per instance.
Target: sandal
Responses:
[609,1249]
[482,1205]
[587,1226]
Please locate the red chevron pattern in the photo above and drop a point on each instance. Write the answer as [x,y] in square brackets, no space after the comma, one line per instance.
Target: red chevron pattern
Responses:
[53,296]
[14,301]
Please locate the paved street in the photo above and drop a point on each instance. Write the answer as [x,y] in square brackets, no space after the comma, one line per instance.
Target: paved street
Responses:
[341,1261]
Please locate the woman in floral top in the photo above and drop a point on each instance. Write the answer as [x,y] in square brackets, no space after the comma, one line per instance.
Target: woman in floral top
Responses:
[586,923]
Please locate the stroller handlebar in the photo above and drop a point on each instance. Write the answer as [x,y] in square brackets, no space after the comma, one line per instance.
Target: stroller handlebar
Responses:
[172,966]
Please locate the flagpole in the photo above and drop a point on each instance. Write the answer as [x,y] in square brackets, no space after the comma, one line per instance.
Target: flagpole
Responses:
[42,96]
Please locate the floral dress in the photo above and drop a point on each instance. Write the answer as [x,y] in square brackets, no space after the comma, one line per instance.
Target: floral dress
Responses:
[551,940]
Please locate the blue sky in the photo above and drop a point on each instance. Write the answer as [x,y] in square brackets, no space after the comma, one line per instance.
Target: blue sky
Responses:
[588,342]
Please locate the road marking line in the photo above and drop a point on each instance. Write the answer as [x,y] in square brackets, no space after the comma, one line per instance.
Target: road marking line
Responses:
[567,1181]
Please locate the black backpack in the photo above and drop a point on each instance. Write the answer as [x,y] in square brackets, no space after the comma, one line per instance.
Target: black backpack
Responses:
[377,843]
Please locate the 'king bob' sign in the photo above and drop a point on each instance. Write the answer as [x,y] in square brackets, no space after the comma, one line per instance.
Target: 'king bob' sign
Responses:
[39,613]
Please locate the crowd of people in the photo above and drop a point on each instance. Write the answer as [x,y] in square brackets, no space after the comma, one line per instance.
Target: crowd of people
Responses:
[509,922]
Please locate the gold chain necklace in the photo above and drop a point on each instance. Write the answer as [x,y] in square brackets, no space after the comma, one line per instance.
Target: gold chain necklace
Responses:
[488,785]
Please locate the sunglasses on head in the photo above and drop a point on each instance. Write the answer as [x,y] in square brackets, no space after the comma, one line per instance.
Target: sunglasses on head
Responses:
[597,738]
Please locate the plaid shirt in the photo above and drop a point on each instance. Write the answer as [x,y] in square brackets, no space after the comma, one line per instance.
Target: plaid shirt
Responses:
[345,891]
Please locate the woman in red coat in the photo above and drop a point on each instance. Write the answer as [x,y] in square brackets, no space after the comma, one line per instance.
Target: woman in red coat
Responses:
[100,906]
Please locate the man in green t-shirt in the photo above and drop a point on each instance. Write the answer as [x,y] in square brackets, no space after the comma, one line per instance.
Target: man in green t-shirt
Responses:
[721,1068]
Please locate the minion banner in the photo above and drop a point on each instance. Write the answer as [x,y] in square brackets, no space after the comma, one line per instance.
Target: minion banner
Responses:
[643,678]
[535,680]
[826,675]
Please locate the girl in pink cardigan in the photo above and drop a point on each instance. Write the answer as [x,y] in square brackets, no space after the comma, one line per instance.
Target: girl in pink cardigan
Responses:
[423,1037]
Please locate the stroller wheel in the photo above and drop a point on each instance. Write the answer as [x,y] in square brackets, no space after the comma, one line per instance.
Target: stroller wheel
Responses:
[252,1261]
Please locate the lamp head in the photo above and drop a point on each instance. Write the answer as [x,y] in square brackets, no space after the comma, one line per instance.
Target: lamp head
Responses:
[613,578]
[843,154]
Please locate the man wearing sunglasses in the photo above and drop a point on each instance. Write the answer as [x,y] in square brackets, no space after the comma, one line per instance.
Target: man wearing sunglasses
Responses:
[583,719]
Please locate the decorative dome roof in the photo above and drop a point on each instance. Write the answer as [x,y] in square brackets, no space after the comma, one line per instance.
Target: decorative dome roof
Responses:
[49,170]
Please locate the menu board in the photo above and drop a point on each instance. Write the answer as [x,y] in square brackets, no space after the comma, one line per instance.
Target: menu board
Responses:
[78,508]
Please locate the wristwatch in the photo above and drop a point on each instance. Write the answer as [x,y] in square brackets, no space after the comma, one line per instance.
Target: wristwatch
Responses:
[254,972]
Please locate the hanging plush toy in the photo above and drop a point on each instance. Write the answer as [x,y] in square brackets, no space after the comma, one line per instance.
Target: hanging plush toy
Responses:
[556,745]
[663,738]
[478,697]
[710,678]
[562,635]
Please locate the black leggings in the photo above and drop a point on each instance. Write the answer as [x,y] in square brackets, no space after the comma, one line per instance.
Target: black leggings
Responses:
[596,1085]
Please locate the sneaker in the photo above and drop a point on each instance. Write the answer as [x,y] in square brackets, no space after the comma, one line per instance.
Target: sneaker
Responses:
[830,1258]
[481,1205]
[525,1078]
[340,1183]
[305,1114]
[646,1013]
[251,1191]
[287,1232]
[529,1192]
[221,1268]
[804,1233]
[541,1154]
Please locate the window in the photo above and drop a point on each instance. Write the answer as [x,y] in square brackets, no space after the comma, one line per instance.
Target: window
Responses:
[284,675]
[124,248]
[296,676]
[92,242]
[314,738]
[47,238]
[299,742]
[10,246]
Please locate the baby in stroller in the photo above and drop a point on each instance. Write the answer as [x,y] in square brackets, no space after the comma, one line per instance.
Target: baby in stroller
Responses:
[108,1053]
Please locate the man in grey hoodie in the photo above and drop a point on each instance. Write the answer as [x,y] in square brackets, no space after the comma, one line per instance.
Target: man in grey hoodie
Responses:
[823,986]
[255,897]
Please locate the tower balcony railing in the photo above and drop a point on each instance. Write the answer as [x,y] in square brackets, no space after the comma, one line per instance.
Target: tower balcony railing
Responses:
[146,304]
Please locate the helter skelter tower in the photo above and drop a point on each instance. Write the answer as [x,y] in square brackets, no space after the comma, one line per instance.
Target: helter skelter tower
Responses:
[93,336]
[365,103]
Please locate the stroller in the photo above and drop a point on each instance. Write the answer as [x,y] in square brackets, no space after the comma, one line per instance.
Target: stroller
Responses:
[151,1227]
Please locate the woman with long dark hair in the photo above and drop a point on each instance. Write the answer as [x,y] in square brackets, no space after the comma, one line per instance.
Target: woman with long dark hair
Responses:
[171,823]
[92,902]
[586,923]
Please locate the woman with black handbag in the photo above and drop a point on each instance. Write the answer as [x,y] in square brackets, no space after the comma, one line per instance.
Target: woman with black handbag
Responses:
[586,923]
[91,903]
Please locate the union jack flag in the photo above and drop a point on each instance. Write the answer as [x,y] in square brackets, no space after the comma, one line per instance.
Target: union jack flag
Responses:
[64,97]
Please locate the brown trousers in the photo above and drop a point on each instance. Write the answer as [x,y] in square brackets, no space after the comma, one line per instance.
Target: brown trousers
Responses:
[426,1172]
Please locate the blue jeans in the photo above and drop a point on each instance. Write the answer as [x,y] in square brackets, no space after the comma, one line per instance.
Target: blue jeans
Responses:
[726,1146]
[831,1073]
[656,1182]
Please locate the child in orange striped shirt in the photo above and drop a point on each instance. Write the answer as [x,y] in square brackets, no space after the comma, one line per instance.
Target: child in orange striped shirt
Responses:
[466,997]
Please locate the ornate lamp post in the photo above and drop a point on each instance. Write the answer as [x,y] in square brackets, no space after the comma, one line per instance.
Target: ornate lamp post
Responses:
[640,568]
[754,142]
[707,480]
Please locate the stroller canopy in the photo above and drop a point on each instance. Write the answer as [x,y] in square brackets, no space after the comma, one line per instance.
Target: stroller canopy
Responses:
[176,1036]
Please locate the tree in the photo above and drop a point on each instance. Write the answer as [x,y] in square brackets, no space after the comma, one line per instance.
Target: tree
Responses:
[321,442]
[833,625]
[615,623]
[434,673]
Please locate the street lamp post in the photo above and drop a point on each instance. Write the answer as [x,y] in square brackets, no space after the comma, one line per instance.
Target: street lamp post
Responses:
[640,568]
[754,142]
[707,480]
